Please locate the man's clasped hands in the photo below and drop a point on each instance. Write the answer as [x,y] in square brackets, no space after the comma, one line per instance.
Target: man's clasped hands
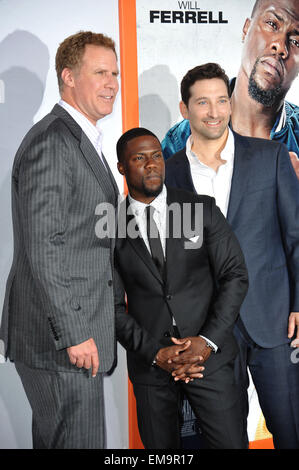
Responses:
[185,359]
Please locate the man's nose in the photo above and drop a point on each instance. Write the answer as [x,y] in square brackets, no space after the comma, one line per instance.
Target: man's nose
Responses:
[151,161]
[212,111]
[279,46]
[112,81]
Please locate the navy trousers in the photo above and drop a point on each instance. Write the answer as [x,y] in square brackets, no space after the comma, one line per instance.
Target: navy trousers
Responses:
[276,379]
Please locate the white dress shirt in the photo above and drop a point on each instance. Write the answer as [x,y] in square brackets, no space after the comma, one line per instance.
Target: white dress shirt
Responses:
[213,183]
[210,182]
[93,133]
[160,206]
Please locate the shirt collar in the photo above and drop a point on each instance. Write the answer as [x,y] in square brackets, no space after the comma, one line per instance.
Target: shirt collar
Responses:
[227,153]
[159,203]
[282,119]
[93,132]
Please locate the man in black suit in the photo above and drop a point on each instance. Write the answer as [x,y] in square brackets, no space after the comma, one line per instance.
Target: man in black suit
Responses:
[255,186]
[177,285]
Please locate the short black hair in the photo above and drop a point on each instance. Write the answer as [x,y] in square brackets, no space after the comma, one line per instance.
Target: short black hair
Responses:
[129,135]
[202,72]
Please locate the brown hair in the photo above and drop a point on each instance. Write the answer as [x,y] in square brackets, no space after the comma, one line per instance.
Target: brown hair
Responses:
[70,51]
[202,72]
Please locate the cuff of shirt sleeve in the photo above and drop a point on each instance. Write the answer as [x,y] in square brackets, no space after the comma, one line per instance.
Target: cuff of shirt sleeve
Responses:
[210,343]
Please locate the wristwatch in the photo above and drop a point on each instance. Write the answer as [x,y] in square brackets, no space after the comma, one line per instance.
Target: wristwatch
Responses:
[208,345]
[154,363]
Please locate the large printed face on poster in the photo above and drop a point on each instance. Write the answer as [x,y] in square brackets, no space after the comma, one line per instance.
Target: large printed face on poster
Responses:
[175,36]
[270,56]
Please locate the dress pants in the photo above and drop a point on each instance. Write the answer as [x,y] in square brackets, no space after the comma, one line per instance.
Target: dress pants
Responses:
[276,379]
[67,408]
[214,400]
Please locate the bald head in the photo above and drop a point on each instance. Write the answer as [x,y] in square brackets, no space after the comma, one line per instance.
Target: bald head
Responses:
[291,5]
[256,7]
[270,58]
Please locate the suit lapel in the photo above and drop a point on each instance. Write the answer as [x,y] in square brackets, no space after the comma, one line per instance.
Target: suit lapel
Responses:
[173,245]
[138,244]
[105,179]
[97,167]
[112,179]
[183,173]
[241,176]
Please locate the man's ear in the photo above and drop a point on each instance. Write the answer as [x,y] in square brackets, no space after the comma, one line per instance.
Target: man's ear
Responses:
[67,76]
[245,28]
[120,168]
[184,110]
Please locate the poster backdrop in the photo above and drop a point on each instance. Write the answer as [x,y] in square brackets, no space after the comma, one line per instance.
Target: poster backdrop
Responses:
[174,36]
[30,33]
[170,43]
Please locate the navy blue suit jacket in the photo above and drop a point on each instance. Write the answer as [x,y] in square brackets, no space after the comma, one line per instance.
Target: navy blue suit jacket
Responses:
[264,214]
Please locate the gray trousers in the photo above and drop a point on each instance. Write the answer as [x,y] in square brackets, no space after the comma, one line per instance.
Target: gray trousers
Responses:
[67,408]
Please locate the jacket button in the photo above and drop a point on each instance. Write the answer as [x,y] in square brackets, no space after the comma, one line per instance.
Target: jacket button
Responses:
[110,283]
[168,297]
[74,304]
[166,334]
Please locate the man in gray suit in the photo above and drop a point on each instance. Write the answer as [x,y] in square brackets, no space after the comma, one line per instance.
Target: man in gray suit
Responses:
[58,315]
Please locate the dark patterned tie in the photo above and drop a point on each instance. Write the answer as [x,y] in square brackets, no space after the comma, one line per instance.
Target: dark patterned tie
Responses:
[154,240]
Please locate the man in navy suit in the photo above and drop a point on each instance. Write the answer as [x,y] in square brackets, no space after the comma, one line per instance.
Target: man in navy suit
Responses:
[256,188]
[269,66]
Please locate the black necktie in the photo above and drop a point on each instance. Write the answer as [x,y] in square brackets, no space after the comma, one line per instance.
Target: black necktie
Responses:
[154,240]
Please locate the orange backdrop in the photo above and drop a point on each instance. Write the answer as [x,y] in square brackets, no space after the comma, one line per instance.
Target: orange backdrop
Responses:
[130,118]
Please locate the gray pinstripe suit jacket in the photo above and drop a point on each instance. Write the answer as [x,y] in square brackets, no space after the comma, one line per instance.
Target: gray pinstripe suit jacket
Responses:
[59,291]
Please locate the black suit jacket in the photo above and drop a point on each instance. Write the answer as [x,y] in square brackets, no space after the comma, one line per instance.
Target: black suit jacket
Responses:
[263,213]
[203,291]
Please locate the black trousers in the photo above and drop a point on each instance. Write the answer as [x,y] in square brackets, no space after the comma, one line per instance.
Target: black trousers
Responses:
[214,399]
